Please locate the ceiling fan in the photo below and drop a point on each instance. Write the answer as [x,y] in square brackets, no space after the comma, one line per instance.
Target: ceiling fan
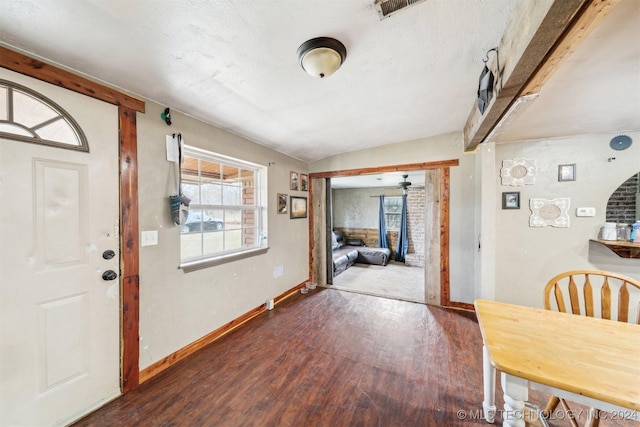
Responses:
[404,184]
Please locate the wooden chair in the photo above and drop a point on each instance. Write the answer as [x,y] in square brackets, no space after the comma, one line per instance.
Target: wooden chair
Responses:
[592,293]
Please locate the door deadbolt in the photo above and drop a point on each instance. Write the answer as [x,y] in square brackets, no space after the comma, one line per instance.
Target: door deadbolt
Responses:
[108,254]
[109,275]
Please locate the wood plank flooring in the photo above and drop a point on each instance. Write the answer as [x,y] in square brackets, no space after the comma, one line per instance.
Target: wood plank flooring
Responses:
[328,358]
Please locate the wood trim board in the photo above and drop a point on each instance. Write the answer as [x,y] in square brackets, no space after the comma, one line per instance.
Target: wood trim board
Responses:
[166,362]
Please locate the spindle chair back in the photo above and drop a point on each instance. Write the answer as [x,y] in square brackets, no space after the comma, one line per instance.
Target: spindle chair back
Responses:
[592,293]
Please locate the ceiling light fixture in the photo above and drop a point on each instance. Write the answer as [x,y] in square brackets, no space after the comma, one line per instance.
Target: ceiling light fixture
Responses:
[322,56]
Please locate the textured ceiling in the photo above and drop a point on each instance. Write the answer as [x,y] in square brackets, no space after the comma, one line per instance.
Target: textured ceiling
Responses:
[233,64]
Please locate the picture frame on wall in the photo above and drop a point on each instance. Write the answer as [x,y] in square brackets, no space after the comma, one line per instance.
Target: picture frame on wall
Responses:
[298,207]
[567,172]
[304,182]
[511,200]
[294,181]
[283,203]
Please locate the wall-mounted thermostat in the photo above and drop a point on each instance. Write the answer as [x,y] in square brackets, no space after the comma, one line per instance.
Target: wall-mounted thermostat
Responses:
[585,211]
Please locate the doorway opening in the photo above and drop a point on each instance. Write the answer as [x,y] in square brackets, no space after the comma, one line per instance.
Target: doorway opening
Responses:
[436,228]
[361,207]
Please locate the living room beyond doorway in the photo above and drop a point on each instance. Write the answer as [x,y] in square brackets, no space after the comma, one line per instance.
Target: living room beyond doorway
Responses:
[357,208]
[436,225]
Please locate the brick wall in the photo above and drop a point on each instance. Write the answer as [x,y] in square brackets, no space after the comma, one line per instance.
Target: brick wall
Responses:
[622,203]
[415,223]
[248,217]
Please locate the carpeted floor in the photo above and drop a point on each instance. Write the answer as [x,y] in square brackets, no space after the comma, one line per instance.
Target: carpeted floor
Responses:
[394,280]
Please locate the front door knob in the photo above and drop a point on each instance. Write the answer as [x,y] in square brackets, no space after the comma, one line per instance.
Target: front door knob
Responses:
[109,275]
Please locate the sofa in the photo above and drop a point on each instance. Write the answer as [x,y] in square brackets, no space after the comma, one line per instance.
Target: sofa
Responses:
[347,252]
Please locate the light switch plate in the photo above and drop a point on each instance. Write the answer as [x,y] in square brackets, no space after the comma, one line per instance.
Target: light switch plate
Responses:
[149,238]
[585,211]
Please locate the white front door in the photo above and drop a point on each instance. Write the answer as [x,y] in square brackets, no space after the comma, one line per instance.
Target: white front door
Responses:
[59,319]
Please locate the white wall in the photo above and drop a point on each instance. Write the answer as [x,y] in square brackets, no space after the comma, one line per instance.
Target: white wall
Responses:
[485,197]
[177,308]
[442,147]
[526,257]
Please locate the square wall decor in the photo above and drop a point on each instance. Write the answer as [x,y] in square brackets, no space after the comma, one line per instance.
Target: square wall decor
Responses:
[567,172]
[511,200]
[518,172]
[554,212]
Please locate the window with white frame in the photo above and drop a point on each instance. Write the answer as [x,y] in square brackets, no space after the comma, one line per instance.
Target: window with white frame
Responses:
[29,116]
[392,212]
[227,213]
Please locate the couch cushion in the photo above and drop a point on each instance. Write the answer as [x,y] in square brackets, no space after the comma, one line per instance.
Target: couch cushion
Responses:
[355,242]
[378,256]
[337,240]
[340,264]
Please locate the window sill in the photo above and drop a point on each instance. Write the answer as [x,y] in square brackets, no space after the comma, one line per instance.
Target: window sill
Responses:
[188,267]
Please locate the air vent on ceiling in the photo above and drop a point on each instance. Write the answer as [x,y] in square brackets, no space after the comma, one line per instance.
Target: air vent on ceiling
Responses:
[388,7]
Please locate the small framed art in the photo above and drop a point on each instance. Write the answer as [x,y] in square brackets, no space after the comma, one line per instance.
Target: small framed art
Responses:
[283,203]
[511,200]
[567,172]
[304,182]
[298,207]
[294,181]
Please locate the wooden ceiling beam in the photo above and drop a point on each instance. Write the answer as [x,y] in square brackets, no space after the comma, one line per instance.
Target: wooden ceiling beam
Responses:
[538,37]
[592,15]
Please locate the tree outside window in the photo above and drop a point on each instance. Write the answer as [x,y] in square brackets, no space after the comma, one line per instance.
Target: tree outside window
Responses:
[393,212]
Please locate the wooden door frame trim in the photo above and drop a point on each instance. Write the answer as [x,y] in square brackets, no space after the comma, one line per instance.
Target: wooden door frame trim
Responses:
[128,107]
[445,166]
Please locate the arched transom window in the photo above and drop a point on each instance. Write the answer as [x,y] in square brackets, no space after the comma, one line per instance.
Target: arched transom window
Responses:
[28,116]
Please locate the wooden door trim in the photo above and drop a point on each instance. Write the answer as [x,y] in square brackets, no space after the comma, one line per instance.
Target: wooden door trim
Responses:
[445,296]
[445,166]
[389,168]
[129,241]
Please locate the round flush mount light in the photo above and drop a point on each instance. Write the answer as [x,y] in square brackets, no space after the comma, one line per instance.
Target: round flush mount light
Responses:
[322,56]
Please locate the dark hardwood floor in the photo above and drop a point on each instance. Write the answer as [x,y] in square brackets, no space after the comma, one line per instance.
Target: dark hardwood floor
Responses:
[328,358]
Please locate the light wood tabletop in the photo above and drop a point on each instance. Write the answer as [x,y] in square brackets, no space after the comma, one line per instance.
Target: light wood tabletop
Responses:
[592,357]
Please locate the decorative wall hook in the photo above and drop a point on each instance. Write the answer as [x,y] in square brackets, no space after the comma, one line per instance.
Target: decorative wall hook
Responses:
[166,116]
[486,56]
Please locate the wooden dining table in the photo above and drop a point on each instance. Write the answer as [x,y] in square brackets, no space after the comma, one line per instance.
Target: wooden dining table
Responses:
[587,360]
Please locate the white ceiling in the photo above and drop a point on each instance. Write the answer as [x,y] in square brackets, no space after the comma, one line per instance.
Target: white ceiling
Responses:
[388,179]
[233,63]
